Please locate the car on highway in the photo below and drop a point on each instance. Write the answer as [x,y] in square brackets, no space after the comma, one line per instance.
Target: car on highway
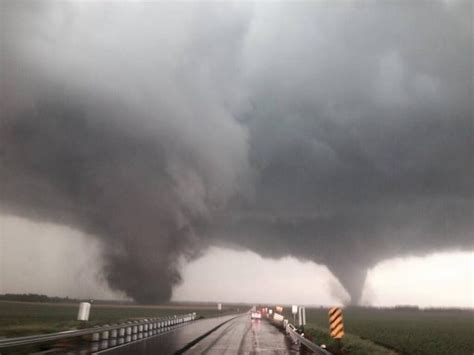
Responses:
[255,315]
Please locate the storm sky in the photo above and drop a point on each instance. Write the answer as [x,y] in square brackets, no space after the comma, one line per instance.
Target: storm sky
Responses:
[339,133]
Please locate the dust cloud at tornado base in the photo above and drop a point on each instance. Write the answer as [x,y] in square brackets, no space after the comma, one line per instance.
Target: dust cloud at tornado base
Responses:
[337,133]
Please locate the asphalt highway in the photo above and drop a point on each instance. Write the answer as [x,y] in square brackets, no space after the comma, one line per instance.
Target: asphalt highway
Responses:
[245,336]
[234,335]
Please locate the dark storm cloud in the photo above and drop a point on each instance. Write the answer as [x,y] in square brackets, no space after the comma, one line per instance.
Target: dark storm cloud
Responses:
[111,123]
[339,133]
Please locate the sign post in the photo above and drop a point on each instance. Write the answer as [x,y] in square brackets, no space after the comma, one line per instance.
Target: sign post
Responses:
[301,318]
[294,310]
[84,311]
[336,326]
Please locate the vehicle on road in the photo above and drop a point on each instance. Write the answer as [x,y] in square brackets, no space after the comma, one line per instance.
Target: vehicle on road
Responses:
[255,315]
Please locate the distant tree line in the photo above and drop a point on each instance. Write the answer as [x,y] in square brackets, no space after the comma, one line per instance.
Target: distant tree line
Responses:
[34,297]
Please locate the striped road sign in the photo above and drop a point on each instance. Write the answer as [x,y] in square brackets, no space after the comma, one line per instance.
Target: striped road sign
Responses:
[335,323]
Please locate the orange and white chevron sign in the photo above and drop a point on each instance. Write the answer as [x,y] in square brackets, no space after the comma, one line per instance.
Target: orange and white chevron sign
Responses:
[336,327]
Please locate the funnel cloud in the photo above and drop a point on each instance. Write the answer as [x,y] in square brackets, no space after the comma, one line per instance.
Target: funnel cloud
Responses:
[340,133]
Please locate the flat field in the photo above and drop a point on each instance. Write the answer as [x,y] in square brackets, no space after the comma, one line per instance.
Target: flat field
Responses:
[402,331]
[26,318]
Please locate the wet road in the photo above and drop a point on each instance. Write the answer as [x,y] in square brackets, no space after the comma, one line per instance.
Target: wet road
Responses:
[245,336]
[239,335]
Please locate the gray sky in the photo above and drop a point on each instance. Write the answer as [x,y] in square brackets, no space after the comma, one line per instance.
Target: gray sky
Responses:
[337,133]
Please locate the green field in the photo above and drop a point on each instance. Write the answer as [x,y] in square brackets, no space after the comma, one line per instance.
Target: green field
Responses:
[403,331]
[23,318]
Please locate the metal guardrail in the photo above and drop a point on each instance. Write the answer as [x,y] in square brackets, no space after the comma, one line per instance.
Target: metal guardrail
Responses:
[297,338]
[104,337]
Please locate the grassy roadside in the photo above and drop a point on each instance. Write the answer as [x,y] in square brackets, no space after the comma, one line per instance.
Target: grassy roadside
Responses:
[351,344]
[27,318]
[403,330]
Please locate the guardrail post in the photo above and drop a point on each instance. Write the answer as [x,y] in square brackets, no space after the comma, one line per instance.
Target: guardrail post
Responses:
[113,337]
[95,342]
[149,328]
[121,332]
[113,333]
[104,339]
[121,336]
[128,334]
[96,337]
[134,332]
